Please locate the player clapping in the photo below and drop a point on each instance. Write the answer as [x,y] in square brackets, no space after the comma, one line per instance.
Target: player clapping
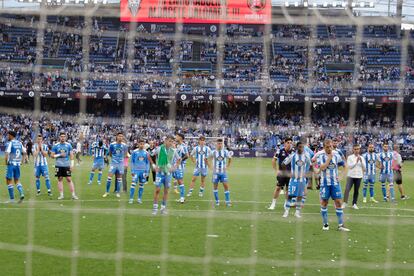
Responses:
[118,151]
[140,167]
[299,162]
[99,152]
[164,167]
[221,162]
[40,152]
[178,174]
[63,153]
[199,156]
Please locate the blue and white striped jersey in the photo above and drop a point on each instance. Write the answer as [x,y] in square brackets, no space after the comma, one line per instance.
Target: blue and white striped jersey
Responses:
[98,152]
[118,152]
[15,150]
[370,163]
[385,159]
[220,159]
[61,148]
[39,159]
[140,160]
[201,154]
[329,176]
[181,152]
[299,165]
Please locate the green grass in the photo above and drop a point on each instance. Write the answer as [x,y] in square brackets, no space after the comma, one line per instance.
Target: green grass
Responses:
[87,237]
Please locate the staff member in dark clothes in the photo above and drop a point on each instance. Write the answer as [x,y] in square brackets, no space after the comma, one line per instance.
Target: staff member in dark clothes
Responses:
[283,174]
[153,158]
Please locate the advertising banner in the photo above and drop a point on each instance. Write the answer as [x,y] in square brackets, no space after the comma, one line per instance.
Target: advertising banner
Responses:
[197,11]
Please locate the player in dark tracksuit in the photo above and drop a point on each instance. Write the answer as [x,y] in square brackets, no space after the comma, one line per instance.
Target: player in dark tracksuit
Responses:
[283,174]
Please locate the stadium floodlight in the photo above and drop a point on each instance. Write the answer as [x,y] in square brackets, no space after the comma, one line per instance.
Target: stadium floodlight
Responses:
[305,4]
[286,4]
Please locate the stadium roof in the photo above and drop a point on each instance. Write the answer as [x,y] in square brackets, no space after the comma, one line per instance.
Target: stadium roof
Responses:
[381,7]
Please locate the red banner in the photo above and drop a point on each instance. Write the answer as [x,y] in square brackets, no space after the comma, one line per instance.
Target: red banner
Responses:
[197,11]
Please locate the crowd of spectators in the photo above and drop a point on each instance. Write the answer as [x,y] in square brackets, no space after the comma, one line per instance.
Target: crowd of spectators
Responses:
[239,124]
[293,60]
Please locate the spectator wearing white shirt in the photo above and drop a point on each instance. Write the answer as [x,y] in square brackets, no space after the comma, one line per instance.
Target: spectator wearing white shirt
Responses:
[356,167]
[78,152]
[397,164]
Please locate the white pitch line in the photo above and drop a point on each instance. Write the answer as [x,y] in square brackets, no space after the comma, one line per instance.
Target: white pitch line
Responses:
[176,212]
[202,200]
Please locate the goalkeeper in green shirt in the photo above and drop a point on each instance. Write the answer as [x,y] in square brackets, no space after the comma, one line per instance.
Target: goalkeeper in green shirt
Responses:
[164,168]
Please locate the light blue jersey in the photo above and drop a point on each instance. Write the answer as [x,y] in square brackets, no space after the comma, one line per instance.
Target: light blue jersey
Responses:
[309,152]
[385,159]
[118,152]
[182,151]
[370,163]
[299,165]
[220,159]
[329,176]
[201,153]
[62,148]
[15,150]
[98,152]
[140,161]
[40,160]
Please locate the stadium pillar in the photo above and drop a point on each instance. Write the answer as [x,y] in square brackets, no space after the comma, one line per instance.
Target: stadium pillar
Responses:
[399,16]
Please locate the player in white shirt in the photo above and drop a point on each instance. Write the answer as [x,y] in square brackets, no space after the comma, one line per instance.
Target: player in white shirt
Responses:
[199,156]
[78,152]
[356,168]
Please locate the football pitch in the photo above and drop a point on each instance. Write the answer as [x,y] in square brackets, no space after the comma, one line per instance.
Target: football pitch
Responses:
[108,236]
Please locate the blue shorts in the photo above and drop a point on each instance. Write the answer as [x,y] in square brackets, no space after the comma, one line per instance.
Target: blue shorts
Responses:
[220,177]
[369,179]
[162,179]
[178,174]
[13,172]
[296,188]
[116,169]
[200,171]
[331,191]
[41,171]
[139,176]
[384,177]
[98,164]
